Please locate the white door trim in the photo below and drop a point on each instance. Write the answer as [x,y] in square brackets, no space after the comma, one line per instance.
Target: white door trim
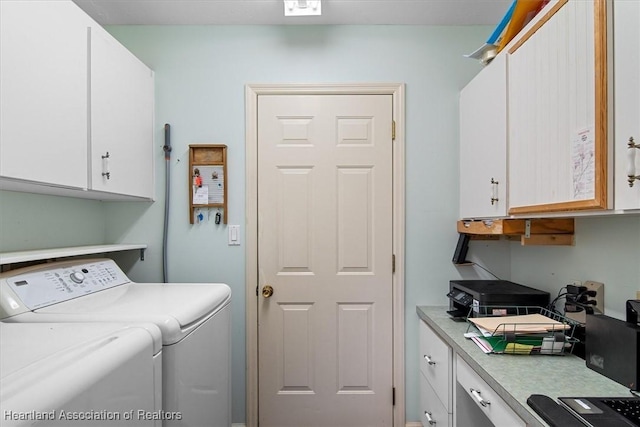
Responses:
[252,91]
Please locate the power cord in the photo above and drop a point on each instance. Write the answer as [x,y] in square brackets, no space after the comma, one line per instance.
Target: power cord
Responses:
[491,273]
[552,305]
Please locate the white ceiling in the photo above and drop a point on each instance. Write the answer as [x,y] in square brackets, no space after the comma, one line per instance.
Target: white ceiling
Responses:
[271,12]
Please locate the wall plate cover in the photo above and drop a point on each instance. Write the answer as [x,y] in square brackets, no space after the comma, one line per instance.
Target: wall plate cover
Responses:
[599,288]
[581,316]
[234,235]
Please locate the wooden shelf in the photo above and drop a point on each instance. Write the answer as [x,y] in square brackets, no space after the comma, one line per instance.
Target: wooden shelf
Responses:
[55,253]
[541,231]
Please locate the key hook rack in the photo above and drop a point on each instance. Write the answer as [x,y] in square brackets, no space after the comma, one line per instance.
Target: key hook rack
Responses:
[207,178]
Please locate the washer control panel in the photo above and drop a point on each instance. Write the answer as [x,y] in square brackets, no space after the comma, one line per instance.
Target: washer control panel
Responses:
[47,286]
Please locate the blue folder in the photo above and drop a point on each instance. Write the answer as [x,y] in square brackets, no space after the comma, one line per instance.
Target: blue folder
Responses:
[503,23]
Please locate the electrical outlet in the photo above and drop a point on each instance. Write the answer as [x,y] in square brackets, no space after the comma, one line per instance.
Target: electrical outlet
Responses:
[581,316]
[599,288]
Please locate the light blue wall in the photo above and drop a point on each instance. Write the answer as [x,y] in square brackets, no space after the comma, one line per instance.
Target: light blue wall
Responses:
[200,78]
[32,221]
[606,251]
[201,73]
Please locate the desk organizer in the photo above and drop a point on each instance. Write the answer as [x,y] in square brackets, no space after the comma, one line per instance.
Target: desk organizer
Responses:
[533,330]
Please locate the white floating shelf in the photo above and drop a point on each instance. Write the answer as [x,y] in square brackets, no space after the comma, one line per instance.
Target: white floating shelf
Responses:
[44,254]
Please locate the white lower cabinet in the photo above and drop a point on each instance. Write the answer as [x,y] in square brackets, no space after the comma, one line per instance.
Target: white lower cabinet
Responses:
[436,379]
[436,363]
[477,404]
[432,411]
[452,393]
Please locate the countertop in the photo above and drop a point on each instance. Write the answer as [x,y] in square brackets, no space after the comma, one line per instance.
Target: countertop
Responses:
[516,377]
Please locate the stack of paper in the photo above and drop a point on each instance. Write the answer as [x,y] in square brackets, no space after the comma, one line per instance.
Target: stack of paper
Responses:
[525,334]
[525,324]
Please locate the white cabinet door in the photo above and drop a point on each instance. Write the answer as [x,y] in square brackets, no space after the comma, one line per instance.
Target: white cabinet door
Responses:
[479,393]
[43,82]
[483,143]
[121,119]
[432,411]
[626,51]
[558,112]
[436,364]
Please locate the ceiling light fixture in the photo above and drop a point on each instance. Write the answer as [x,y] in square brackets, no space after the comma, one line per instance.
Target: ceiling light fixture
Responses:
[302,8]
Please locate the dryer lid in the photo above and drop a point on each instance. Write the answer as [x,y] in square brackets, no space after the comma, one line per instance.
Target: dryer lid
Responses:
[175,307]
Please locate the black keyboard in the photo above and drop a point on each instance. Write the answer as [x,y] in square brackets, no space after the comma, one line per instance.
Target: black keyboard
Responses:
[627,407]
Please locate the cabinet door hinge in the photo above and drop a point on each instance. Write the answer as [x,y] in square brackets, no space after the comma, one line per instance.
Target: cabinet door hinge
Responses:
[393,263]
[393,130]
[393,396]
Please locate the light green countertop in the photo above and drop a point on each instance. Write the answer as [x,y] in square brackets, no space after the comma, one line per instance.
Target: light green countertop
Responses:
[516,377]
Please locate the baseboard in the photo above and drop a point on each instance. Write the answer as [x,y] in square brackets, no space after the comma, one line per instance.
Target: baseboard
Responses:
[411,424]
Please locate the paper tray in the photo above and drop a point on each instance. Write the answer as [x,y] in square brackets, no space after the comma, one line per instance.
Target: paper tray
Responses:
[535,331]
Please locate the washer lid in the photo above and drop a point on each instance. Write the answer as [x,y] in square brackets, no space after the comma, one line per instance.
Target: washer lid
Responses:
[176,308]
[45,366]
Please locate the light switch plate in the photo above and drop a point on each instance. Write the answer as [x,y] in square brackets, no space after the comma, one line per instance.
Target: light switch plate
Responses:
[234,235]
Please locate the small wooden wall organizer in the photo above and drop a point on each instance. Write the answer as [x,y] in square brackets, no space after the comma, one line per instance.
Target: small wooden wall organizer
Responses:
[207,178]
[550,231]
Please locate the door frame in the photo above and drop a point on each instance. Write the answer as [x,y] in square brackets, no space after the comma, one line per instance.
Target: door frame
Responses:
[252,91]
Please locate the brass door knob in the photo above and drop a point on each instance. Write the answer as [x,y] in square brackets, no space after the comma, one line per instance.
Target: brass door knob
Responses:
[267,291]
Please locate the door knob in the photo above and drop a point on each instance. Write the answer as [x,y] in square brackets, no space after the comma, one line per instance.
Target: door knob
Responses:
[267,291]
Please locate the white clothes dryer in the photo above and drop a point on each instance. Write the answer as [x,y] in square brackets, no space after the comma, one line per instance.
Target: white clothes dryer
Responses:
[194,319]
[98,374]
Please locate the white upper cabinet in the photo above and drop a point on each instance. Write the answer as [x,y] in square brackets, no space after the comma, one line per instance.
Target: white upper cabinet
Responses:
[558,111]
[483,143]
[70,94]
[121,119]
[626,57]
[43,93]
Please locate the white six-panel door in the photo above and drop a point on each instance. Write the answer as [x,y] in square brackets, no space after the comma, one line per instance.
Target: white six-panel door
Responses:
[325,246]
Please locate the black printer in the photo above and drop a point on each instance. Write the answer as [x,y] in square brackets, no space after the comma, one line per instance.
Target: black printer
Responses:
[470,298]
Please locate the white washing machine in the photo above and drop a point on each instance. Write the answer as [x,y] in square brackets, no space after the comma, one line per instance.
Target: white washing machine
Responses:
[194,320]
[62,374]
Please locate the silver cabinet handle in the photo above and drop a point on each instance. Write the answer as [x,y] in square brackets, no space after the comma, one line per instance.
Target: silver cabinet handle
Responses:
[105,166]
[431,420]
[478,397]
[428,359]
[494,191]
[631,166]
